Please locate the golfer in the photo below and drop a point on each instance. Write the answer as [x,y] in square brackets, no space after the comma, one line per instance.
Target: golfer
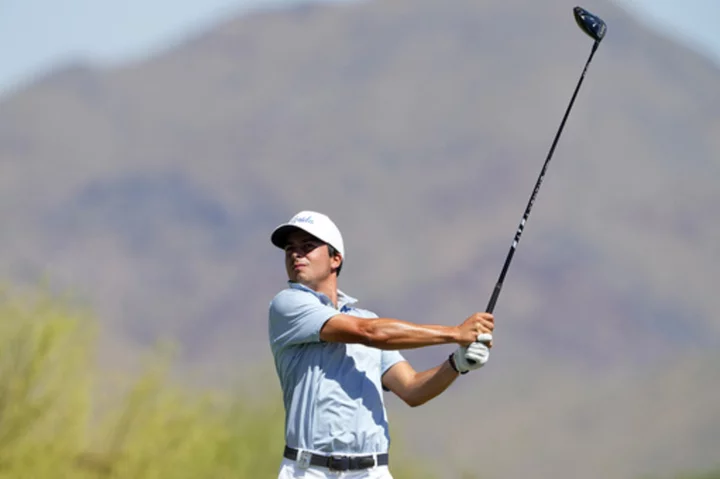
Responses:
[334,359]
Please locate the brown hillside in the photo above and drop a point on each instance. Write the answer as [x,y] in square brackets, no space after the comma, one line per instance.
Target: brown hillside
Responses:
[420,126]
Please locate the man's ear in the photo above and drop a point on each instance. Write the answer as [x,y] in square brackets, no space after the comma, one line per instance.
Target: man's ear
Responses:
[336,261]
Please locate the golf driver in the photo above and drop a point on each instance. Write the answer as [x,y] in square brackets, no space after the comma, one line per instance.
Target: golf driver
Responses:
[595,28]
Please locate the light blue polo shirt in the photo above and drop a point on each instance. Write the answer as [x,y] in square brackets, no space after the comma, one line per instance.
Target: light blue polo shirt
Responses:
[332,391]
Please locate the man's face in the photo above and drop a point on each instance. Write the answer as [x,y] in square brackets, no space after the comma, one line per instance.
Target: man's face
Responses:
[307,259]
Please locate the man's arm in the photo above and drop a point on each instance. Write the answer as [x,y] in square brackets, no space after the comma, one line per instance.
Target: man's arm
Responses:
[417,388]
[395,334]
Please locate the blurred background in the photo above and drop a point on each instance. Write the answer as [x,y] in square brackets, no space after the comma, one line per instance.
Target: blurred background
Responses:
[148,149]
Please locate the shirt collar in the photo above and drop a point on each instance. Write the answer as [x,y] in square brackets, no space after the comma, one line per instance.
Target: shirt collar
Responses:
[344,301]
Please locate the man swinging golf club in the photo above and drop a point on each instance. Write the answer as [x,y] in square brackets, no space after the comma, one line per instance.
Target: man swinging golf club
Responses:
[334,359]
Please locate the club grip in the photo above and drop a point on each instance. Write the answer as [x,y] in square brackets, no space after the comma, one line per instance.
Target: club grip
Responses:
[493,298]
[491,305]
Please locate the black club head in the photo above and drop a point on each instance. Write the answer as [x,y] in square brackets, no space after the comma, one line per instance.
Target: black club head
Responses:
[590,24]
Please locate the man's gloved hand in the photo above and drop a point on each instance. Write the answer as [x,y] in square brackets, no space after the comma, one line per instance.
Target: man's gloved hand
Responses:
[474,356]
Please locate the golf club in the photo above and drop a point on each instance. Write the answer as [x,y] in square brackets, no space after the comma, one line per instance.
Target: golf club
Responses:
[595,28]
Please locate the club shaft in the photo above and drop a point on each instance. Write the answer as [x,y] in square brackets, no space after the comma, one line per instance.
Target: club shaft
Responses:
[521,227]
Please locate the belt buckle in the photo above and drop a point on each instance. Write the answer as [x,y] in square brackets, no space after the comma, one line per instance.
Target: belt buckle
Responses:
[303,459]
[339,463]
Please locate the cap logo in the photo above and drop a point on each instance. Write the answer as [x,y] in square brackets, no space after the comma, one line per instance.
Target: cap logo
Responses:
[304,219]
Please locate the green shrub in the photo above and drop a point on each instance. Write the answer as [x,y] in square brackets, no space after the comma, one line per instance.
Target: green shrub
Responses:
[51,425]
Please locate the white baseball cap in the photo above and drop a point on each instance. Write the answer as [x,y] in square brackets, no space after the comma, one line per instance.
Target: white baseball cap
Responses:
[317,224]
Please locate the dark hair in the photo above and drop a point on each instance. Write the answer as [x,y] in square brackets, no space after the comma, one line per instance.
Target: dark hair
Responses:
[333,252]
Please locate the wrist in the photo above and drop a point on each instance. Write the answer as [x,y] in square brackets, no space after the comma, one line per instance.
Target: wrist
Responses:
[453,365]
[455,335]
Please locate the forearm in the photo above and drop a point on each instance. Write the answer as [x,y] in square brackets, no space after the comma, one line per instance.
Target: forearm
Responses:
[427,385]
[391,334]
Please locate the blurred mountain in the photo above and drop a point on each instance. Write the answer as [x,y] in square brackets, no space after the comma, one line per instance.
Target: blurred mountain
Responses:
[420,127]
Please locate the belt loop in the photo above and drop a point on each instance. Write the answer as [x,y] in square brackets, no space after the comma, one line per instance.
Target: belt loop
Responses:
[375,459]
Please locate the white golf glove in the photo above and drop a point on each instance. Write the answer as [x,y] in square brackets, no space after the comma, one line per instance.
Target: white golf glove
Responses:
[474,356]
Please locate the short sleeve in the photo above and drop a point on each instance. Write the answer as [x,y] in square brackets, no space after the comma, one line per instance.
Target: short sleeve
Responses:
[390,359]
[296,317]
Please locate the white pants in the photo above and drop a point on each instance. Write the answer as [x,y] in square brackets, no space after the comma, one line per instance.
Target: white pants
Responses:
[290,470]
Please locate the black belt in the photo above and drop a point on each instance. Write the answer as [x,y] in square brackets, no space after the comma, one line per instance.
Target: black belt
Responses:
[339,463]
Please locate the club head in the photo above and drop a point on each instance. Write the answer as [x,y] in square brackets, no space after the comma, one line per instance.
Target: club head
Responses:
[590,24]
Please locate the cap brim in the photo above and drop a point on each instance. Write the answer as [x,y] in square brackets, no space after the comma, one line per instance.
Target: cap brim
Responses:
[281,233]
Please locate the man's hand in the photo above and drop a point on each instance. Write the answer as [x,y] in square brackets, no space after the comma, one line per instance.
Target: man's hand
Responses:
[478,323]
[474,356]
